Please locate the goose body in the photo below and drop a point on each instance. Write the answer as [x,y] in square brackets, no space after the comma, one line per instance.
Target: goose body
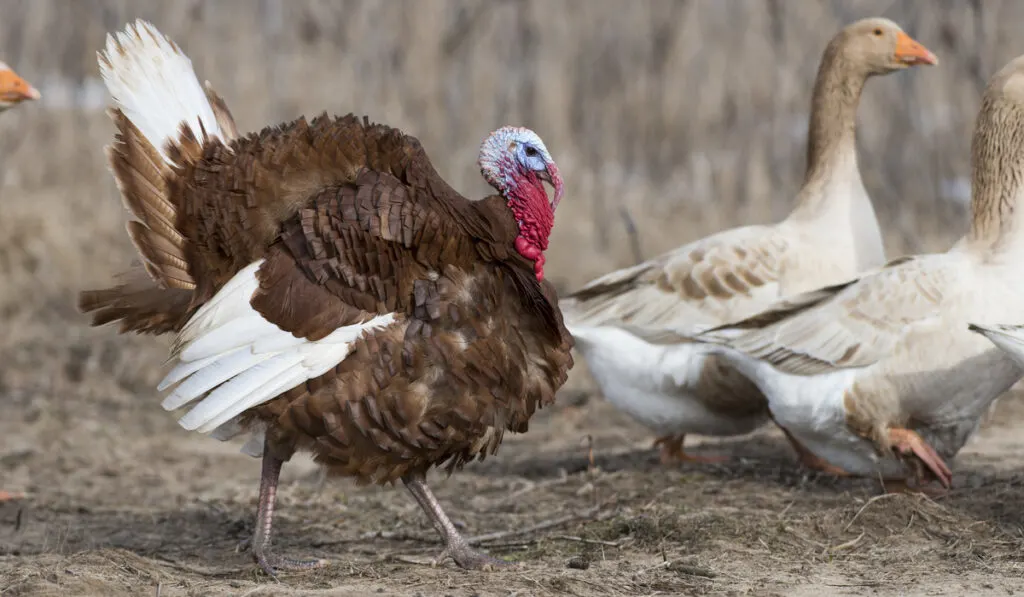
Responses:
[884,370]
[831,235]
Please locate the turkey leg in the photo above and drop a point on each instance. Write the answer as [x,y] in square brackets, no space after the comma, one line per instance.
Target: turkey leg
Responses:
[455,545]
[672,451]
[270,563]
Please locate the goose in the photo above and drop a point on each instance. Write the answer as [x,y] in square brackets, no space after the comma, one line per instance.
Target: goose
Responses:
[830,236]
[13,91]
[882,376]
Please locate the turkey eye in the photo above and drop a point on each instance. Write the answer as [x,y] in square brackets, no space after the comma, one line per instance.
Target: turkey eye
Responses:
[878,32]
[531,152]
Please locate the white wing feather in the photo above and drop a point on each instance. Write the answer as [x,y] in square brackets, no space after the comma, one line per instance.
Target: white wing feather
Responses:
[230,359]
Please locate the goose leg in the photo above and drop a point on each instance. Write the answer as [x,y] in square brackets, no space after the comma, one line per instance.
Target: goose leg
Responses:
[807,458]
[8,496]
[810,459]
[671,449]
[907,443]
[455,545]
[270,563]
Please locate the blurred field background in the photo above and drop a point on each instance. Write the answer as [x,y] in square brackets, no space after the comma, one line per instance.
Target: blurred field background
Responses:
[688,115]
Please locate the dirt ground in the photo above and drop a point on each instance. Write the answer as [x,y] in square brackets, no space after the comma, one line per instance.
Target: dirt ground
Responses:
[120,501]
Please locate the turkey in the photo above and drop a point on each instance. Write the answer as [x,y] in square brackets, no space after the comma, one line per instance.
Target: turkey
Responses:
[13,91]
[328,291]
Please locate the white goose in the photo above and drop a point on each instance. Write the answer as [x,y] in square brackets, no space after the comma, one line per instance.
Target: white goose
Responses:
[867,373]
[831,235]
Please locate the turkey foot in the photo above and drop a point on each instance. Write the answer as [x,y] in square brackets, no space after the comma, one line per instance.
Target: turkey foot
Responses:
[269,563]
[907,442]
[672,452]
[455,545]
[810,459]
[7,496]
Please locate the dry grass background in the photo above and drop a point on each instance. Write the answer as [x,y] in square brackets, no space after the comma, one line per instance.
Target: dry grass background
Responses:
[690,115]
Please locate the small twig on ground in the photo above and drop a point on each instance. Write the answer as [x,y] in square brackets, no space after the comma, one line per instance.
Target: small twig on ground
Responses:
[574,539]
[389,535]
[847,545]
[693,570]
[678,566]
[415,561]
[530,486]
[590,514]
[864,507]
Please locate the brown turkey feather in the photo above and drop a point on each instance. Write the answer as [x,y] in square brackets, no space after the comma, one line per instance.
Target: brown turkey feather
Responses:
[141,174]
[225,120]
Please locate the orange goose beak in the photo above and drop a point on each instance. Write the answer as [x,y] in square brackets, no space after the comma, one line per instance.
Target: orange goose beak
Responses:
[911,53]
[14,89]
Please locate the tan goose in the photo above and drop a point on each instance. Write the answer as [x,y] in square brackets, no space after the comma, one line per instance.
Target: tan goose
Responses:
[830,236]
[883,371]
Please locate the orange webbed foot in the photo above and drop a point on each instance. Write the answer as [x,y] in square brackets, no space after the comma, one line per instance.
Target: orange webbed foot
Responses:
[672,452]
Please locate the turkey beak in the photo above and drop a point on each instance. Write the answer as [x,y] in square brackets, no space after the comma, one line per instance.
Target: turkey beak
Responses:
[911,53]
[553,178]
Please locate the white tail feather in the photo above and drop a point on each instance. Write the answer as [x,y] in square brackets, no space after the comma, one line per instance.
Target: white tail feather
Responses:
[153,83]
[230,359]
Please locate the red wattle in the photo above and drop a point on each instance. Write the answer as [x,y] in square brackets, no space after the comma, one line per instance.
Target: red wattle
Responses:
[529,203]
[524,248]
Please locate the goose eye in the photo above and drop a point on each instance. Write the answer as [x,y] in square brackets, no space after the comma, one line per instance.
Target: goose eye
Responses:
[878,32]
[531,152]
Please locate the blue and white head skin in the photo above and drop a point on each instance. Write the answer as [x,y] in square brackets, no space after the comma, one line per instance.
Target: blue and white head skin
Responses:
[516,163]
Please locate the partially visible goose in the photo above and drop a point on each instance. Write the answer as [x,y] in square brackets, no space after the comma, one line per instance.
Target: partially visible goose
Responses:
[830,236]
[869,373]
[13,91]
